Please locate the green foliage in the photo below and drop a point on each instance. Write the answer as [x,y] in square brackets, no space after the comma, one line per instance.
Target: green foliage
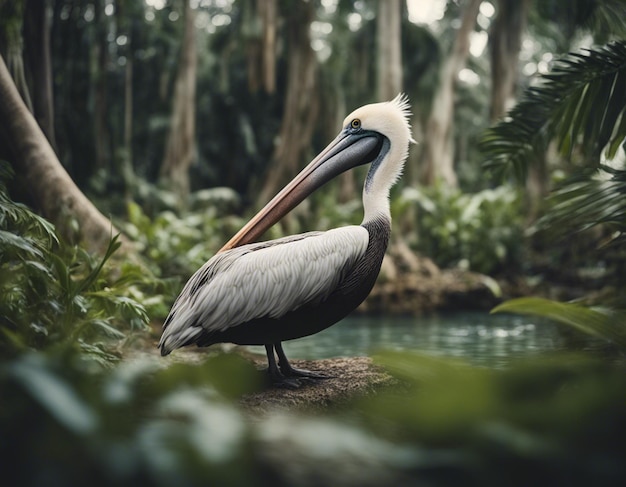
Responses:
[178,245]
[583,202]
[56,295]
[560,23]
[153,421]
[581,104]
[553,417]
[482,231]
[587,216]
[138,422]
[608,324]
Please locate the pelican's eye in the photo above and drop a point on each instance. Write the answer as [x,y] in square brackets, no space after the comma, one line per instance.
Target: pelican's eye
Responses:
[355,124]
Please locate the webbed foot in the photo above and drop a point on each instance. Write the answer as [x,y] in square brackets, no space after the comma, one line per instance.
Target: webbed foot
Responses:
[289,371]
[278,379]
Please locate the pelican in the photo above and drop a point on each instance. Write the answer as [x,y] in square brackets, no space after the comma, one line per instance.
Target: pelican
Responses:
[264,293]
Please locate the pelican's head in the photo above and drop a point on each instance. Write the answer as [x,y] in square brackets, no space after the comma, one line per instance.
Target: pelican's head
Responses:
[389,122]
[377,134]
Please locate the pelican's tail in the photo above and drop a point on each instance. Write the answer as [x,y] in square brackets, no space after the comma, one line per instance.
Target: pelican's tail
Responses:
[174,337]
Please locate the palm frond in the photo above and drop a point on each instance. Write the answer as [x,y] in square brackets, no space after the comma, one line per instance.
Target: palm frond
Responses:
[607,19]
[584,202]
[580,103]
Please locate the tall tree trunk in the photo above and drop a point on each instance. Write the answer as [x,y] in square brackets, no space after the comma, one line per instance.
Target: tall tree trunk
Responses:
[37,20]
[126,163]
[505,42]
[259,26]
[52,189]
[180,144]
[269,14]
[389,55]
[438,152]
[301,108]
[12,45]
[100,59]
[124,14]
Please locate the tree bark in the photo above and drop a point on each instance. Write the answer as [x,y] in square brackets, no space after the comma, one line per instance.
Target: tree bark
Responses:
[301,109]
[100,59]
[438,152]
[260,21]
[505,41]
[52,189]
[389,56]
[12,45]
[268,13]
[37,43]
[126,163]
[180,144]
[124,14]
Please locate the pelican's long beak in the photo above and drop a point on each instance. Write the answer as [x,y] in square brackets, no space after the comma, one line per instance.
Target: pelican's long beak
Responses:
[345,152]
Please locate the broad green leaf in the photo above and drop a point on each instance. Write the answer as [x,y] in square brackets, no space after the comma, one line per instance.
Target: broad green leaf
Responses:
[603,323]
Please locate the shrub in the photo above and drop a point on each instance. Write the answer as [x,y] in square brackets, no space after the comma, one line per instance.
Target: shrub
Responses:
[56,295]
[480,231]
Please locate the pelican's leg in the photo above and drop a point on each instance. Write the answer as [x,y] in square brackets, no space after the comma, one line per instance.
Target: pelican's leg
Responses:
[276,376]
[289,371]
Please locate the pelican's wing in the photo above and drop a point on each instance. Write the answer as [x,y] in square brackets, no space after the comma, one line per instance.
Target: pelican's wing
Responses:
[266,279]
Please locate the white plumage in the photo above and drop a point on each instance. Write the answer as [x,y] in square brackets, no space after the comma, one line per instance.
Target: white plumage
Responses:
[259,280]
[268,292]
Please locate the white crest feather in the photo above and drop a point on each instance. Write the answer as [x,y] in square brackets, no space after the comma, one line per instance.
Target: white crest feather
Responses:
[402,103]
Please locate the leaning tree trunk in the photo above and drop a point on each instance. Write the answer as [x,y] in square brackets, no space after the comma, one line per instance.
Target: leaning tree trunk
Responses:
[389,55]
[52,189]
[438,152]
[301,108]
[180,144]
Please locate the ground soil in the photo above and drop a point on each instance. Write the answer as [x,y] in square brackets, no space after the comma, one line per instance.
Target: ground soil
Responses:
[349,378]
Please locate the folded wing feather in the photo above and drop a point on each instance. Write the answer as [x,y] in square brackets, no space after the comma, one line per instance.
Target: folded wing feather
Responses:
[266,279]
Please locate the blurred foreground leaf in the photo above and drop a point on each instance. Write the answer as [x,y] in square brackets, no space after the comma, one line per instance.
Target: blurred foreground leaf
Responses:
[434,413]
[230,374]
[53,394]
[608,324]
[560,418]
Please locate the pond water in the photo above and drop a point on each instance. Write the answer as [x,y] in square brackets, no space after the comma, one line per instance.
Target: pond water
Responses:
[479,338]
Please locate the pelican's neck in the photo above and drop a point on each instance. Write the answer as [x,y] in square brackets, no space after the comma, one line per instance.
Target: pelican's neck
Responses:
[383,174]
[376,204]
